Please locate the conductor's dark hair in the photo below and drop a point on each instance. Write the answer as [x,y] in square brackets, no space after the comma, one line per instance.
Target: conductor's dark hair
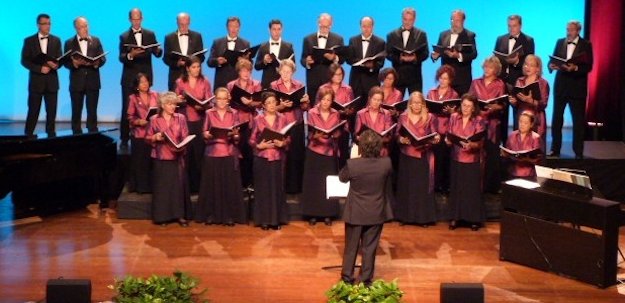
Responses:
[275,21]
[42,16]
[137,80]
[233,19]
[369,144]
[187,64]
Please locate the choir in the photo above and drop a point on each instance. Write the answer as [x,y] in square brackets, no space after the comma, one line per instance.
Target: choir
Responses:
[268,139]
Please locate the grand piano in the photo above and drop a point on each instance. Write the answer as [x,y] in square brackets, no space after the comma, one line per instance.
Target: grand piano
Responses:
[51,172]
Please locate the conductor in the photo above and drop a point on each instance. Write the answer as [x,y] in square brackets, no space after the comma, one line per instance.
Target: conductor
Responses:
[367,206]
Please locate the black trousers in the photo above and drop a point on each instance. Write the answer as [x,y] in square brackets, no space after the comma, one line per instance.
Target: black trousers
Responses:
[577,107]
[34,106]
[91,97]
[356,236]
[416,86]
[124,127]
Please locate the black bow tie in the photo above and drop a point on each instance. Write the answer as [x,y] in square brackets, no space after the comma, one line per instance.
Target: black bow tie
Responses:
[233,40]
[405,30]
[322,37]
[44,37]
[571,42]
[136,32]
[365,40]
[183,34]
[513,38]
[83,39]
[275,43]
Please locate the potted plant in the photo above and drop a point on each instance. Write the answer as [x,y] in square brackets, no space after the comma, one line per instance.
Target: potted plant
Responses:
[178,288]
[379,291]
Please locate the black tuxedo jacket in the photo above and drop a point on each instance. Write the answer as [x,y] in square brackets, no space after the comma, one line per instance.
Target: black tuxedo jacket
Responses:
[141,63]
[38,82]
[318,73]
[171,45]
[510,73]
[462,69]
[408,72]
[574,84]
[84,77]
[225,73]
[370,191]
[361,77]
[270,72]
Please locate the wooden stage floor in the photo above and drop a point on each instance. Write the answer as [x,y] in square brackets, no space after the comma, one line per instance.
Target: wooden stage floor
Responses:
[247,264]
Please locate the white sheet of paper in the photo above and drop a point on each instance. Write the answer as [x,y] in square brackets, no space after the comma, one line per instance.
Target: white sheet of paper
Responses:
[523,183]
[335,188]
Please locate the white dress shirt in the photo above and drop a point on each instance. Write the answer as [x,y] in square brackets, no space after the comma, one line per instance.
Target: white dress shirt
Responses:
[183,42]
[138,36]
[404,35]
[321,43]
[84,45]
[43,43]
[570,48]
[273,47]
[365,45]
[452,41]
[231,42]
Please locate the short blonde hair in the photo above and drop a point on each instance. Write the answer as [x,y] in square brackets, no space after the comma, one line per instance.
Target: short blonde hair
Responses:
[538,61]
[243,64]
[166,98]
[287,63]
[494,61]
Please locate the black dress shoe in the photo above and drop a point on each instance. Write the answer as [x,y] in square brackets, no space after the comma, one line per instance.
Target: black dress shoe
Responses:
[553,154]
[579,157]
[452,225]
[327,222]
[229,223]
[312,221]
[475,227]
[264,227]
[183,222]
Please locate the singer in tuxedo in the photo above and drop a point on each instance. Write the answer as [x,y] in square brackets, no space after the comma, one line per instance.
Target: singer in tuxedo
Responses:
[184,41]
[408,66]
[512,66]
[84,75]
[135,60]
[271,53]
[462,54]
[571,87]
[317,72]
[43,80]
[363,77]
[367,207]
[225,70]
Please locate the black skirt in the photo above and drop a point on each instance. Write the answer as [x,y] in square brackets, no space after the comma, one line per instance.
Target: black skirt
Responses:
[221,198]
[139,179]
[414,203]
[492,167]
[465,193]
[194,155]
[441,165]
[314,203]
[270,206]
[295,160]
[170,195]
[247,161]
